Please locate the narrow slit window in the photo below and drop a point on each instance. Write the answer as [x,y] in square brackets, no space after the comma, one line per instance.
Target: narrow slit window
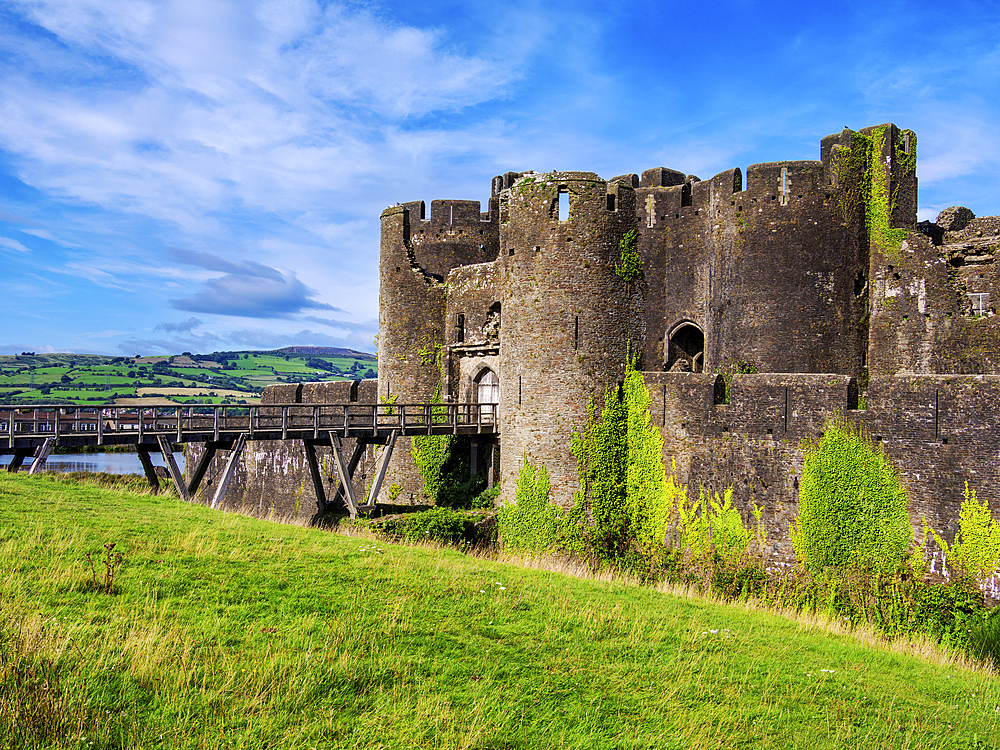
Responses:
[611,201]
[519,389]
[576,332]
[563,205]
[460,328]
[451,214]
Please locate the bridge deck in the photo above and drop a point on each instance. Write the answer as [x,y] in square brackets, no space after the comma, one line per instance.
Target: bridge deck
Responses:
[70,425]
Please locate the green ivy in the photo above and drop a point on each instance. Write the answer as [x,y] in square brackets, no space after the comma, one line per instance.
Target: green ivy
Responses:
[976,550]
[907,161]
[864,180]
[852,505]
[627,512]
[430,452]
[629,267]
[532,524]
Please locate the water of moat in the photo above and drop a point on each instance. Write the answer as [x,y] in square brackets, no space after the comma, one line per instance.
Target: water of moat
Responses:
[110,463]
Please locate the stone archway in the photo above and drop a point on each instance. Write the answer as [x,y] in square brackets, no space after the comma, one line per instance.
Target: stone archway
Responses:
[686,349]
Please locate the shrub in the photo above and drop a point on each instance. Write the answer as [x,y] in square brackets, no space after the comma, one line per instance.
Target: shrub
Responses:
[984,638]
[852,505]
[441,525]
[976,550]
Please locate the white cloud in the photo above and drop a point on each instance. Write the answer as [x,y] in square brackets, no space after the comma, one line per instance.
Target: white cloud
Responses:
[13,245]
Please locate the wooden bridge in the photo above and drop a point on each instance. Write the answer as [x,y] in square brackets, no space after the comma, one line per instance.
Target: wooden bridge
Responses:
[32,432]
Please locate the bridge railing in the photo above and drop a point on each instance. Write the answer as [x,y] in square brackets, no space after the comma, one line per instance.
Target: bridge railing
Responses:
[277,421]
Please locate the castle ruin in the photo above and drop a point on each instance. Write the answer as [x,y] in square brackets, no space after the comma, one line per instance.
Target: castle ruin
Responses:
[816,273]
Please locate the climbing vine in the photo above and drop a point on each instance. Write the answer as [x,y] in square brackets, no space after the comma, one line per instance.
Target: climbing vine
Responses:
[430,452]
[628,511]
[864,180]
[976,550]
[443,461]
[629,267]
[852,504]
[532,524]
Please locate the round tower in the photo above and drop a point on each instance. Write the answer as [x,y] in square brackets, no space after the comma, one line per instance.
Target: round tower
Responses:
[567,317]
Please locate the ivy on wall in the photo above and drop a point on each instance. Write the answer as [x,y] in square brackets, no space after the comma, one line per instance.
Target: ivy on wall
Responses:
[852,505]
[629,266]
[976,550]
[431,452]
[864,180]
[443,461]
[628,511]
[532,524]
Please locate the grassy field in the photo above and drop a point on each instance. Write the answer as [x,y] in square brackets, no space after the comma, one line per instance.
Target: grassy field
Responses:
[226,631]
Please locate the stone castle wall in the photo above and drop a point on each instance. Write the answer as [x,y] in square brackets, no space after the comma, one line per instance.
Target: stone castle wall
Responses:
[939,431]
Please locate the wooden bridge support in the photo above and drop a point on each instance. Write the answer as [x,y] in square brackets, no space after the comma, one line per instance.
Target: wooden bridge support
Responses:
[42,455]
[227,473]
[346,472]
[18,458]
[148,469]
[167,449]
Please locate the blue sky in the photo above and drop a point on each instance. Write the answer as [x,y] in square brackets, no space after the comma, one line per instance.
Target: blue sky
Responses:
[199,175]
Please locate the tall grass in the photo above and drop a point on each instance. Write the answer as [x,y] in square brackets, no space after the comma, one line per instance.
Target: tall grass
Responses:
[227,631]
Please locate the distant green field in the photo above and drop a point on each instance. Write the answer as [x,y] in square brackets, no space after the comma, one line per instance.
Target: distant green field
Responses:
[94,379]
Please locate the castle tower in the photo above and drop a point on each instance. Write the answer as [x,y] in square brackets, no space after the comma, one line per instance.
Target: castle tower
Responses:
[567,317]
[416,257]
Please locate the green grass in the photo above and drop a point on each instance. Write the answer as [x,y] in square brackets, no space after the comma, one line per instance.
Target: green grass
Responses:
[227,631]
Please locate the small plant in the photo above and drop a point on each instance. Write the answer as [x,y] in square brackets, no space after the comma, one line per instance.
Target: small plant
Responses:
[112,565]
[731,366]
[441,525]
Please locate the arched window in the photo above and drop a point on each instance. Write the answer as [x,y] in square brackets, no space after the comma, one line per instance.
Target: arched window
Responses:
[487,392]
[686,349]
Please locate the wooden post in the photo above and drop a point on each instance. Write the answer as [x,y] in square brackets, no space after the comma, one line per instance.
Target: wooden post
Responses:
[168,458]
[42,455]
[149,469]
[383,465]
[19,455]
[345,476]
[227,473]
[203,464]
[317,478]
[359,451]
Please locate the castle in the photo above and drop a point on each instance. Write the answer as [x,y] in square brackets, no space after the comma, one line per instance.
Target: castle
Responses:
[816,273]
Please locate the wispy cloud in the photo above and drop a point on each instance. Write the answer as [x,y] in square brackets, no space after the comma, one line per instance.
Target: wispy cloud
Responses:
[265,136]
[13,245]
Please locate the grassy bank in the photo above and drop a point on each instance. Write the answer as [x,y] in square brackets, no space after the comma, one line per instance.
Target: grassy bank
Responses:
[227,631]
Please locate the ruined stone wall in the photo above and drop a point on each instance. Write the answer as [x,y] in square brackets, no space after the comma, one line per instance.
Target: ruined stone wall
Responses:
[272,476]
[935,299]
[568,318]
[474,318]
[939,431]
